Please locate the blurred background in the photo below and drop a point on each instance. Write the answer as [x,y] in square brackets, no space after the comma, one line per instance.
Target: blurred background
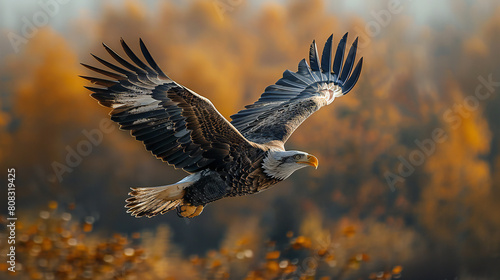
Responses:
[408,182]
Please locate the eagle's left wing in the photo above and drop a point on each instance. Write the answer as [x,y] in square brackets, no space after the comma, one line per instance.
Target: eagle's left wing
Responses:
[177,125]
[285,105]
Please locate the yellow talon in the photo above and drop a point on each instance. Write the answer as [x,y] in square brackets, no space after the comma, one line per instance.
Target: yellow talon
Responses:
[197,212]
[190,211]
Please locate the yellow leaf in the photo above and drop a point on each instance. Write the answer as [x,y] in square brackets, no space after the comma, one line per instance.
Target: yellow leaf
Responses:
[273,255]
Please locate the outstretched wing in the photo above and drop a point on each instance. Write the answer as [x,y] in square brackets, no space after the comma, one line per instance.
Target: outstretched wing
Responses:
[285,105]
[174,123]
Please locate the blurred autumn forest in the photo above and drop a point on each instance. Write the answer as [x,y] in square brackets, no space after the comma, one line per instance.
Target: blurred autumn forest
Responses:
[363,214]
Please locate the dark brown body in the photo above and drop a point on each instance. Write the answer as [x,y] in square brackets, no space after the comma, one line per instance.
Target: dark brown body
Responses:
[237,178]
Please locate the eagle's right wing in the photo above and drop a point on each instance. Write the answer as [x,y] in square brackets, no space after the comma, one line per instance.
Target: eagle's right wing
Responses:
[297,95]
[174,123]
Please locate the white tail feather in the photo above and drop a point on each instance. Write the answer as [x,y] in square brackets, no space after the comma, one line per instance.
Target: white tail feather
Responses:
[152,201]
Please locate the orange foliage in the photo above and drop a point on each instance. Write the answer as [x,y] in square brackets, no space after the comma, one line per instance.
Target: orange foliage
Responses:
[413,74]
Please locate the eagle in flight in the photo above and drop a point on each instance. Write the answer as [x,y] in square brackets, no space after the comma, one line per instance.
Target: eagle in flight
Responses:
[223,158]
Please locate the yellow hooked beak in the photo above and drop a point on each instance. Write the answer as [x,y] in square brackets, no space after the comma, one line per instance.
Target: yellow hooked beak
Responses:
[311,160]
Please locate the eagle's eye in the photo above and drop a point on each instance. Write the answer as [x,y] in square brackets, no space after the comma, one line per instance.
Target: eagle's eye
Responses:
[297,157]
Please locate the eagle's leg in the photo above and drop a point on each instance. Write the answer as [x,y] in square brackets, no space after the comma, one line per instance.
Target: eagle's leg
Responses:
[198,211]
[189,211]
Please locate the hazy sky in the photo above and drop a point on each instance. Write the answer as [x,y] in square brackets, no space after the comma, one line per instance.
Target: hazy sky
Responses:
[15,14]
[11,12]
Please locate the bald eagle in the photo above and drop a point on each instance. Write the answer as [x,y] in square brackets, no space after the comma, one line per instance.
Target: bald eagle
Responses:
[184,129]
